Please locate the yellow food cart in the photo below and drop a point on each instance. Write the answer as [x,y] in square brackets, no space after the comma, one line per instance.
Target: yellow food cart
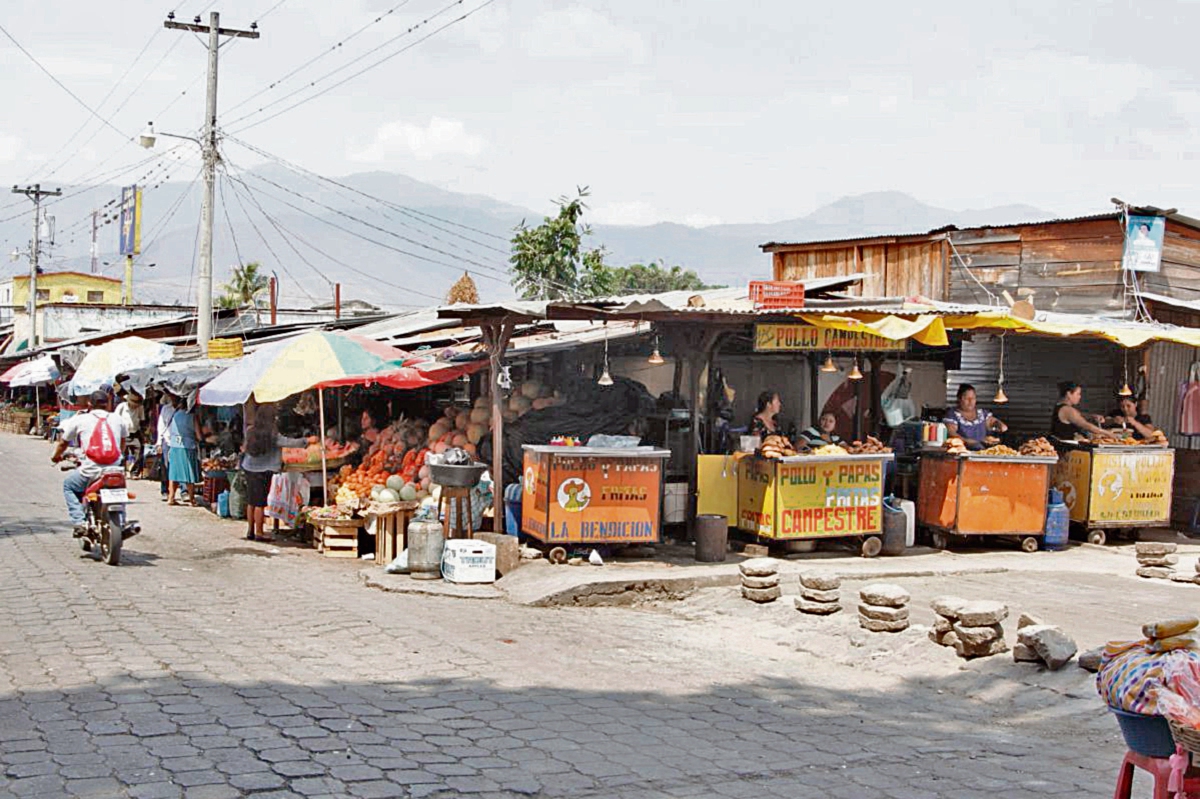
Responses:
[970,494]
[1115,488]
[808,497]
[586,495]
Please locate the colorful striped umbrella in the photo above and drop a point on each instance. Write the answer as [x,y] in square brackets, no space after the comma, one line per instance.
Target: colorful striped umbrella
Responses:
[31,373]
[321,360]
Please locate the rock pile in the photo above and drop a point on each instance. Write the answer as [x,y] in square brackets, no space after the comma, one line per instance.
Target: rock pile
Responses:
[760,580]
[1156,560]
[819,594]
[883,608]
[1185,576]
[972,628]
[1038,642]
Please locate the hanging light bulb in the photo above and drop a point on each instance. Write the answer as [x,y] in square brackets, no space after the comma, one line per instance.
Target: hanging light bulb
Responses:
[855,374]
[1001,397]
[829,365]
[605,377]
[656,357]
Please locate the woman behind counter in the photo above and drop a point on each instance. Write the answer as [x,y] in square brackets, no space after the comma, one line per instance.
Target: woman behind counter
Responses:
[822,433]
[763,423]
[970,422]
[1067,422]
[1126,417]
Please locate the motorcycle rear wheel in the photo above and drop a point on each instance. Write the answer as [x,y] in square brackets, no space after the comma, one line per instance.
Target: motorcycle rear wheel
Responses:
[110,538]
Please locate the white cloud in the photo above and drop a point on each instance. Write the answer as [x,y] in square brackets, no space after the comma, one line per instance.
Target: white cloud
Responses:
[580,33]
[634,212]
[10,147]
[400,141]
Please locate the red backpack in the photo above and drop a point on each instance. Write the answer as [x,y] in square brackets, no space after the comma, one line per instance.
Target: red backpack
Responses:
[102,446]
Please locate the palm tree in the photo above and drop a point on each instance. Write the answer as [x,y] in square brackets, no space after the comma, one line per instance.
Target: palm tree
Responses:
[244,287]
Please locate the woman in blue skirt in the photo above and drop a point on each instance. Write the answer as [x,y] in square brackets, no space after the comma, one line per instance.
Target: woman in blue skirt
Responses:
[183,466]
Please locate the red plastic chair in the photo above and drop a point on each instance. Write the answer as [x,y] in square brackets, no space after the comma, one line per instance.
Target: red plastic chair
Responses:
[1160,769]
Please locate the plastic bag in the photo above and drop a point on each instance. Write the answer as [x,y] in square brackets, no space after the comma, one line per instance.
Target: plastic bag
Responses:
[399,565]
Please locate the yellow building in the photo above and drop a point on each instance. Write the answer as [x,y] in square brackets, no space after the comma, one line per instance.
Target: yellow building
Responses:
[69,287]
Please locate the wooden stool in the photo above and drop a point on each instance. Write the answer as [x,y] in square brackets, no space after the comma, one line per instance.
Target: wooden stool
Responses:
[1160,769]
[460,500]
[391,533]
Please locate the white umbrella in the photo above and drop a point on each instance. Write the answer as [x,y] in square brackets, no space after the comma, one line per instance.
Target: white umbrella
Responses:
[102,364]
[31,373]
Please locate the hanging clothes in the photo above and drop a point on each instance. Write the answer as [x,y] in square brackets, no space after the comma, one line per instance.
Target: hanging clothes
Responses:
[1189,404]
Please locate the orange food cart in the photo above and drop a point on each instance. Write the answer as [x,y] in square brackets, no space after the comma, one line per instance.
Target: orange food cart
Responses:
[1115,488]
[586,495]
[970,494]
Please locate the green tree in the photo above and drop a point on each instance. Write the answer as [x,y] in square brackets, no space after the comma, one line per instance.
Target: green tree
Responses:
[550,262]
[245,285]
[655,278]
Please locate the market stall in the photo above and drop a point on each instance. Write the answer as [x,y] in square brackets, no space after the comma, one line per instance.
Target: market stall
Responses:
[586,495]
[1115,488]
[985,494]
[810,497]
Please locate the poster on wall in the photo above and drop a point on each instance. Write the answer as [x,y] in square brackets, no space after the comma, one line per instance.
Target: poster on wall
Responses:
[1144,243]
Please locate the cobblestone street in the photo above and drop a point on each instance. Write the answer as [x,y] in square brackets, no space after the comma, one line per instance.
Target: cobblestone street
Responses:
[208,667]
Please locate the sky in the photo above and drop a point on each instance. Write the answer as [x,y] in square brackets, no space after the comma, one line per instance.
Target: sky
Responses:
[700,113]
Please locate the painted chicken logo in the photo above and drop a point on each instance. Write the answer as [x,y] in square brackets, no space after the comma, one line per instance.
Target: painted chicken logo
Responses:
[574,495]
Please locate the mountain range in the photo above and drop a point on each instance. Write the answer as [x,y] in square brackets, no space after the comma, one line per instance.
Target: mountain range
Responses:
[396,241]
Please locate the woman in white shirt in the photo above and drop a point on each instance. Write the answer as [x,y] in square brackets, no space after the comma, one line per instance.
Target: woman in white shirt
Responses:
[166,411]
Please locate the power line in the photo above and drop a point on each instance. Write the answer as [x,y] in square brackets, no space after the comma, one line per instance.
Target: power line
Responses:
[317,57]
[232,235]
[412,212]
[369,67]
[60,84]
[283,232]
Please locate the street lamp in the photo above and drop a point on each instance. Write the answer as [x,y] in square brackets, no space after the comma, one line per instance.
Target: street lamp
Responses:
[208,150]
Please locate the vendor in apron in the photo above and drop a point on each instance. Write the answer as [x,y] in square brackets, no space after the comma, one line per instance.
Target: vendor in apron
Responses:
[968,421]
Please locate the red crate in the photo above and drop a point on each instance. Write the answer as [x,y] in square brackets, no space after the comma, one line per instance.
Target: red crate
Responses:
[777,294]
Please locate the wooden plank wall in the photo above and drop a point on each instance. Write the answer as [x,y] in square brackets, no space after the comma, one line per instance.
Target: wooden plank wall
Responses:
[893,269]
[1068,266]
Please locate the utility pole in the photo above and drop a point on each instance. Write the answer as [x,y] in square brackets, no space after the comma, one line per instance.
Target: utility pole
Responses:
[208,144]
[36,194]
[95,244]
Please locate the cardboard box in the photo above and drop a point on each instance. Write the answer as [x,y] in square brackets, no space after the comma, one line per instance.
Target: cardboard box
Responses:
[469,561]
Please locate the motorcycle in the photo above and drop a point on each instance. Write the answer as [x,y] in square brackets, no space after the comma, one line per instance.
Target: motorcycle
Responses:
[105,520]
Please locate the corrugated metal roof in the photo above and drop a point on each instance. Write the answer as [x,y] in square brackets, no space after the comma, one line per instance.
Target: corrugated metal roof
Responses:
[941,231]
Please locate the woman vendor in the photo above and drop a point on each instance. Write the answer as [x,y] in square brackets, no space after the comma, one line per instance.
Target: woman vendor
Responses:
[1126,417]
[1067,423]
[968,421]
[822,433]
[764,422]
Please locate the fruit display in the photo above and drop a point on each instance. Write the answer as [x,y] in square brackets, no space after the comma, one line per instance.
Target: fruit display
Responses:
[872,446]
[219,463]
[1038,448]
[311,453]
[776,447]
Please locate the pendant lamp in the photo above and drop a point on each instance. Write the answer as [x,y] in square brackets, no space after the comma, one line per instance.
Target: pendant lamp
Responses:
[1001,397]
[855,374]
[829,365]
[656,357]
[1126,391]
[605,377]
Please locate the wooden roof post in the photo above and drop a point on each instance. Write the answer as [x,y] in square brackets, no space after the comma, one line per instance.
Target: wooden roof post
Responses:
[495,337]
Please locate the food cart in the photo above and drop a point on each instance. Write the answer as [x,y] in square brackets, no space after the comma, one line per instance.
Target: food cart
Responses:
[808,497]
[1115,488]
[971,494]
[586,495]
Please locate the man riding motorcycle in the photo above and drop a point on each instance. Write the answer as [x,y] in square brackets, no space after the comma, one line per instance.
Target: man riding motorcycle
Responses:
[97,434]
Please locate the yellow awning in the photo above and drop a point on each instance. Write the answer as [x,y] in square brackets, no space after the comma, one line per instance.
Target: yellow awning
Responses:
[1126,335]
[928,329]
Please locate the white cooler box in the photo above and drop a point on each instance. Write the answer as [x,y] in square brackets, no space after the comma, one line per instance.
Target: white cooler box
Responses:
[469,561]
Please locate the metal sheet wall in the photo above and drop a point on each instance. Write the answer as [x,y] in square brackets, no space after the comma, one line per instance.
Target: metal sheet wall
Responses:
[1169,366]
[1033,368]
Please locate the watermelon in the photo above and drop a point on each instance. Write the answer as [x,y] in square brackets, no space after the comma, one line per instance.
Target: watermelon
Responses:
[388,495]
[408,493]
[395,482]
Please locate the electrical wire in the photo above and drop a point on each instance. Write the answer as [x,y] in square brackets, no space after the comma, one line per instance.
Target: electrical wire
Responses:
[369,67]
[386,203]
[228,223]
[334,48]
[59,83]
[285,233]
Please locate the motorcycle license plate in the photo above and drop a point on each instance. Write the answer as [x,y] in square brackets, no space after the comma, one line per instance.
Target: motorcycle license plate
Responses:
[114,496]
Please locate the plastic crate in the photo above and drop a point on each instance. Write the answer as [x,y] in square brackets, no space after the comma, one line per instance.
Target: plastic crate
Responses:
[777,294]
